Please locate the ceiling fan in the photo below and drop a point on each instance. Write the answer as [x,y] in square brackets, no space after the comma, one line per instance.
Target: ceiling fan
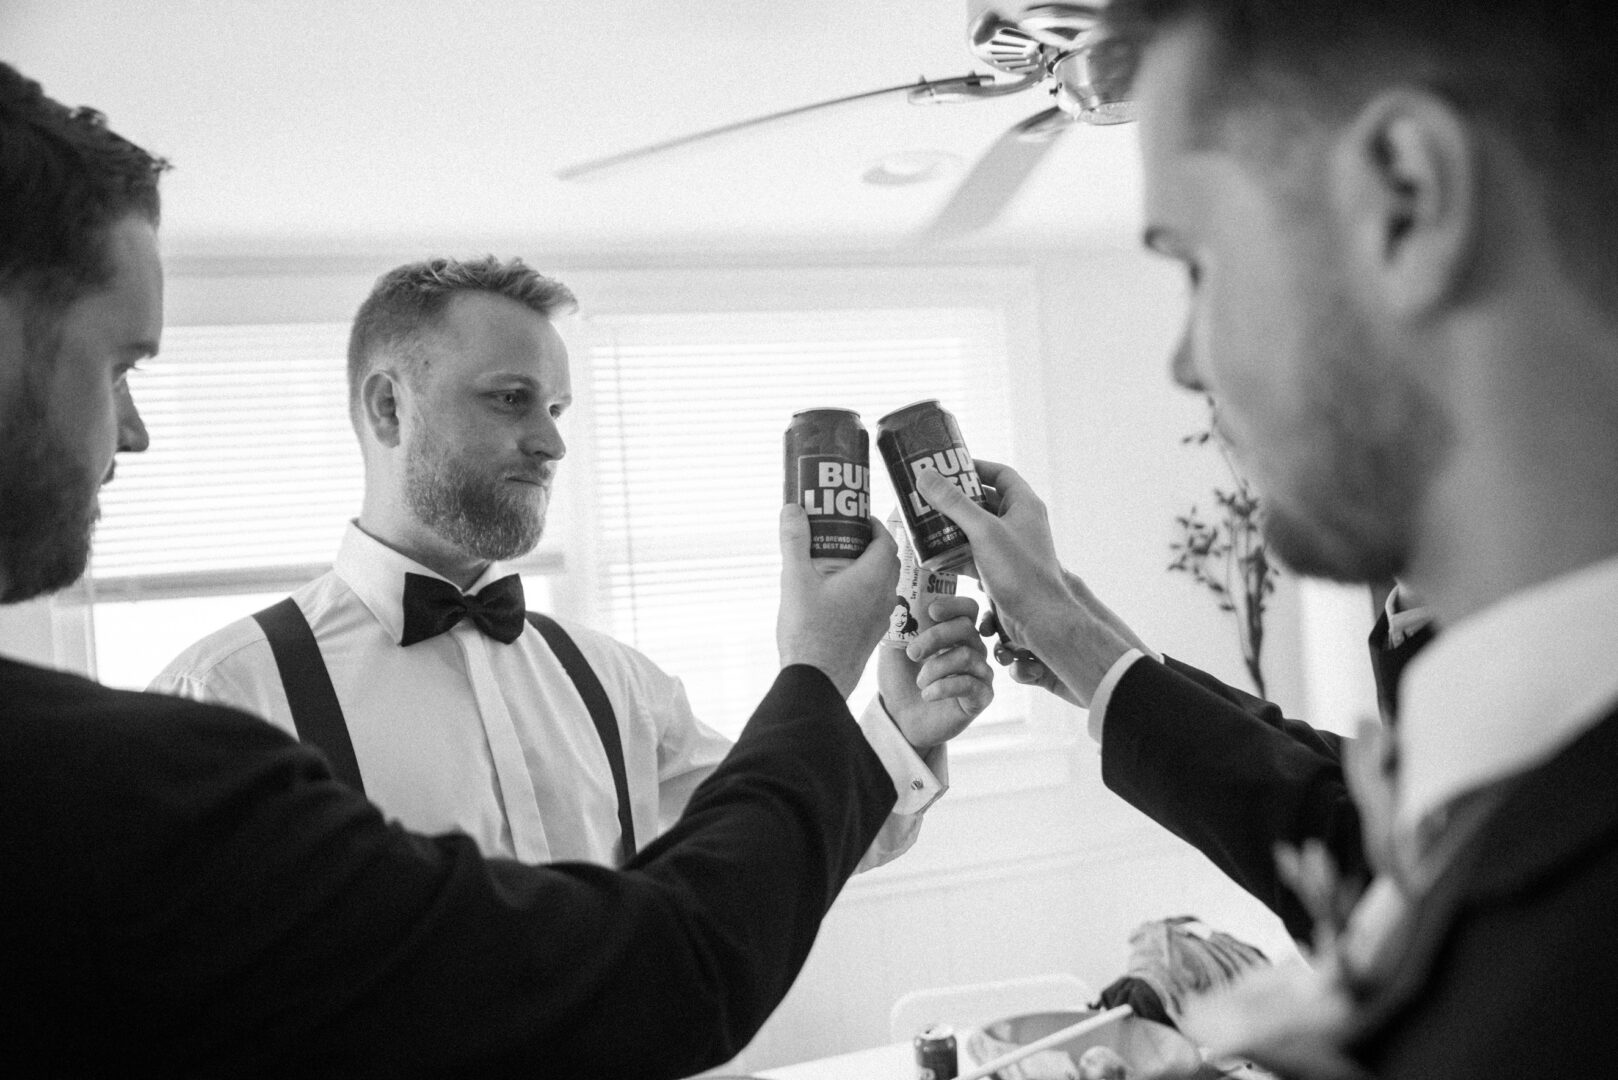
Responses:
[1056,47]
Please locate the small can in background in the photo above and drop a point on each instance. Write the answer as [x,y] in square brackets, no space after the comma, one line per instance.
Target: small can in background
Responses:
[915,439]
[828,473]
[917,588]
[935,1054]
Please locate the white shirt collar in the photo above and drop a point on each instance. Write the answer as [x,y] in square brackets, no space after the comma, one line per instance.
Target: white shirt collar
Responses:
[1506,689]
[376,574]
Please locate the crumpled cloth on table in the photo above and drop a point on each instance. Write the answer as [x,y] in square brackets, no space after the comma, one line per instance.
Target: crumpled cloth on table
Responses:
[1172,960]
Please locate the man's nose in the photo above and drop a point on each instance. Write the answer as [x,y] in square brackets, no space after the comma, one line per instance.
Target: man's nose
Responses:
[132,437]
[1183,368]
[545,440]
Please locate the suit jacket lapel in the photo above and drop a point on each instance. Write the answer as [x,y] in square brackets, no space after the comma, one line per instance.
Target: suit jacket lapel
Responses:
[1536,825]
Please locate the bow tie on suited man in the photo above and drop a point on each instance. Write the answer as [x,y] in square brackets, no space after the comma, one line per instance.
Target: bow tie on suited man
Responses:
[432,606]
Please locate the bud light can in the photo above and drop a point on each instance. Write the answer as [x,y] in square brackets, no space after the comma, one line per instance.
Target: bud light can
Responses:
[918,438]
[935,1054]
[828,473]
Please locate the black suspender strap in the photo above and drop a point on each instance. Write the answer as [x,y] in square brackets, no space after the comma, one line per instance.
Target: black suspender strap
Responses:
[606,721]
[318,716]
[315,710]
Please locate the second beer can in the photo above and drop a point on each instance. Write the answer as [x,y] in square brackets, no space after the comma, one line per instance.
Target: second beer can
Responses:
[828,473]
[936,1057]
[917,438]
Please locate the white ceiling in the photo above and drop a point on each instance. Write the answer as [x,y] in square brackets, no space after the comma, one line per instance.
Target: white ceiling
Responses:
[302,125]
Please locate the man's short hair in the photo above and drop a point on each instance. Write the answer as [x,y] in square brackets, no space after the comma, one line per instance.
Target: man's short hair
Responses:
[407,302]
[1543,75]
[65,179]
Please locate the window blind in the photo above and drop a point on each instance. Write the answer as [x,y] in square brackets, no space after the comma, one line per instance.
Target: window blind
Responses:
[689,414]
[253,468]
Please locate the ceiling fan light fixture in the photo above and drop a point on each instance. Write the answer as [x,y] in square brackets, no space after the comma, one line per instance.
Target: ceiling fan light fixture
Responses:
[1093,84]
[1107,113]
[912,167]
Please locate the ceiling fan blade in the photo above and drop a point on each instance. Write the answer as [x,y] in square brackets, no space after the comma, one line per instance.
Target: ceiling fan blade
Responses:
[997,176]
[972,85]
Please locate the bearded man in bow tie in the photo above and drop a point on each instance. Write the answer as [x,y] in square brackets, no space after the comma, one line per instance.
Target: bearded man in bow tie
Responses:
[413,665]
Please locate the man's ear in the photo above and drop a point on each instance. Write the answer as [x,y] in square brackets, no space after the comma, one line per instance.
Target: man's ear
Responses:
[380,396]
[1407,185]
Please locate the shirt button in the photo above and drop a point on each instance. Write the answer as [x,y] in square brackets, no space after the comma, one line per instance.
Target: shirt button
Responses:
[915,785]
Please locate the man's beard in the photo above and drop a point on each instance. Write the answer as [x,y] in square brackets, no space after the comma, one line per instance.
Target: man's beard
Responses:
[1353,513]
[479,514]
[48,505]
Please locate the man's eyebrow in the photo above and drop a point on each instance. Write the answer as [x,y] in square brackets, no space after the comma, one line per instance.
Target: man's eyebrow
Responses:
[526,380]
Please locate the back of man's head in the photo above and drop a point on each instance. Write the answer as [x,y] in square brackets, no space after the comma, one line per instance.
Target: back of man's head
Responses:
[65,177]
[407,302]
[1542,75]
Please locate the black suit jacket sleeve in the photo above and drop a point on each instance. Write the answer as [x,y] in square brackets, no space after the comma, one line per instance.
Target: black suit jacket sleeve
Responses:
[1229,774]
[191,893]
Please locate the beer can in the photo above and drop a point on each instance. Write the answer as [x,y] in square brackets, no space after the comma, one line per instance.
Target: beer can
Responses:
[935,1054]
[828,473]
[918,587]
[917,438]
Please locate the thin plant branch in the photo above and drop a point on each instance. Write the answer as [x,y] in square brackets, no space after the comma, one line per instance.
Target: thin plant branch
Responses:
[1228,557]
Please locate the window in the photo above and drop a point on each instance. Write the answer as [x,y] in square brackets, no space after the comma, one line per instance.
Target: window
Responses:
[663,531]
[690,410]
[251,473]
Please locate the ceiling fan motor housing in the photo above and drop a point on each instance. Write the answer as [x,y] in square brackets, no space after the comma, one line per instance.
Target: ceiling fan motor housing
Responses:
[1058,44]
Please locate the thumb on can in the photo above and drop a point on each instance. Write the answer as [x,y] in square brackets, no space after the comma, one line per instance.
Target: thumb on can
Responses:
[794,535]
[949,500]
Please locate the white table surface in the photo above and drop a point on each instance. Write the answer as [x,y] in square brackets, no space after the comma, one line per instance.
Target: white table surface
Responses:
[896,1061]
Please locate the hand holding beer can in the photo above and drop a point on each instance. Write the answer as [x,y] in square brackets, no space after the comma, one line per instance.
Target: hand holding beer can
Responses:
[924,437]
[828,473]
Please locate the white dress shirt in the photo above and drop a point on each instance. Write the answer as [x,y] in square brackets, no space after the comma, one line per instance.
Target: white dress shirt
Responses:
[462,733]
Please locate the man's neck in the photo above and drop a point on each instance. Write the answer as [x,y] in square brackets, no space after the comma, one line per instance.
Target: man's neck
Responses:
[1527,486]
[1504,516]
[423,548]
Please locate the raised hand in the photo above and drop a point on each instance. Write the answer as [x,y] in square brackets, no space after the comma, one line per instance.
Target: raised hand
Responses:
[939,683]
[833,621]
[1040,606]
[1024,666]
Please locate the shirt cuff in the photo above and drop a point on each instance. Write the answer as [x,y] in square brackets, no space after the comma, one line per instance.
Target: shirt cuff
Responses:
[1103,694]
[918,778]
[1403,621]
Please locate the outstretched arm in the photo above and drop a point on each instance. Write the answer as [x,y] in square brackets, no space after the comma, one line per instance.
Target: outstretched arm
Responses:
[200,886]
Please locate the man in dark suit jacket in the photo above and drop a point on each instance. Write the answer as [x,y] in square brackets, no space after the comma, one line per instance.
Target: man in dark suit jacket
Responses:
[188,891]
[1230,774]
[1399,219]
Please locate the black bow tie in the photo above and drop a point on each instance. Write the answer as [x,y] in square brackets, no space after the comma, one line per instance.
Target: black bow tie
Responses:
[432,605]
